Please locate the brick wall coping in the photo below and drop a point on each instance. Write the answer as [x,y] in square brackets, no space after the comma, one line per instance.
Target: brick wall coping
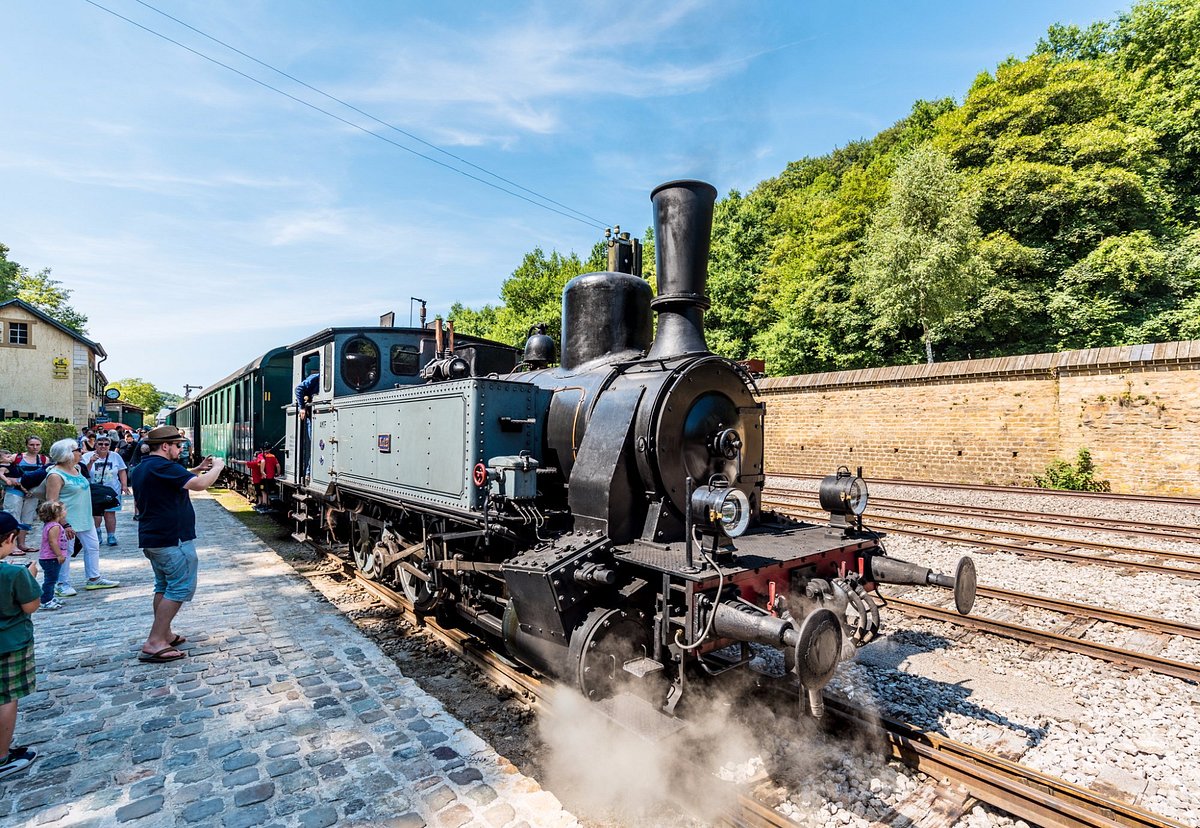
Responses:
[1137,357]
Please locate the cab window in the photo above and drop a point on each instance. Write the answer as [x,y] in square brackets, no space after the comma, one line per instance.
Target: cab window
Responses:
[404,361]
[360,363]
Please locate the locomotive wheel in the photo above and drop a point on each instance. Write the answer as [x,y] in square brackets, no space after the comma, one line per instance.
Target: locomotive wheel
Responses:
[365,558]
[421,593]
[600,647]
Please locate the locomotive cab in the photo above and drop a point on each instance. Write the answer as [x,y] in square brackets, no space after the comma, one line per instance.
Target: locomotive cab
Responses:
[352,362]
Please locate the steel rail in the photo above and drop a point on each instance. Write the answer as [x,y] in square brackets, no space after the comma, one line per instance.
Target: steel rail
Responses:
[461,643]
[1152,623]
[1014,788]
[1026,490]
[749,812]
[1009,786]
[1032,635]
[1140,528]
[895,525]
[1099,546]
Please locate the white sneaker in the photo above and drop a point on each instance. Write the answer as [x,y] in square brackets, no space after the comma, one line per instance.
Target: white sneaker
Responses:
[65,591]
[52,604]
[101,583]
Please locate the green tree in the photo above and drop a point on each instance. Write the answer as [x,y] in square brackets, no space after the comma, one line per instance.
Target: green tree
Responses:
[38,289]
[531,295]
[141,393]
[736,262]
[1106,297]
[921,257]
[1156,48]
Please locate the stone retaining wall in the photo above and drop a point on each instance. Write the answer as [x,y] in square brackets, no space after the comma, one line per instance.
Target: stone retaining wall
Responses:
[998,421]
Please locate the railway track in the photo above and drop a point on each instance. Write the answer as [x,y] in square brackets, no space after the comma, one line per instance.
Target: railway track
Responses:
[1023,792]
[1025,490]
[1149,623]
[1137,528]
[1019,543]
[1052,640]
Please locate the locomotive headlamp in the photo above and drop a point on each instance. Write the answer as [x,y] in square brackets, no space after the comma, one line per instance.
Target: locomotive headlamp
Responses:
[720,510]
[843,493]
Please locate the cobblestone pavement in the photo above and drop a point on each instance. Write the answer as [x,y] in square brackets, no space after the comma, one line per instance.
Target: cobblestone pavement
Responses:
[282,714]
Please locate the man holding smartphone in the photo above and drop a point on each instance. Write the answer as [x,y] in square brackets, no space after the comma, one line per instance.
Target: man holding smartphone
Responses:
[167,531]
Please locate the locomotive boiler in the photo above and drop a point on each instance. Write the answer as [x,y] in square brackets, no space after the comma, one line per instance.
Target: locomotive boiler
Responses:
[601,517]
[598,514]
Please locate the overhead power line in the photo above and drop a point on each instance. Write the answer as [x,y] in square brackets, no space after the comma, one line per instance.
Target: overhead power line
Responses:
[365,114]
[566,212]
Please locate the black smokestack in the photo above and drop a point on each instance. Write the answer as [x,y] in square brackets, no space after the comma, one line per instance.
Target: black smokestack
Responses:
[683,213]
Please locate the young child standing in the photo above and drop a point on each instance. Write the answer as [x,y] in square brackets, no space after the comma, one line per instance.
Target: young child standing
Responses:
[19,595]
[53,514]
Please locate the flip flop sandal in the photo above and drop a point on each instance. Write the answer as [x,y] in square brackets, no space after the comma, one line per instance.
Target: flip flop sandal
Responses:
[159,658]
[177,640]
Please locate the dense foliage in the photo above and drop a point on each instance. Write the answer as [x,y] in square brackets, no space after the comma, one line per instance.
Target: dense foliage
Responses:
[1079,476]
[38,289]
[141,393]
[1067,215]
[14,433]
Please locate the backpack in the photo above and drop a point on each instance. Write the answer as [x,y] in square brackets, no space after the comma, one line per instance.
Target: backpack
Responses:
[103,499]
[33,483]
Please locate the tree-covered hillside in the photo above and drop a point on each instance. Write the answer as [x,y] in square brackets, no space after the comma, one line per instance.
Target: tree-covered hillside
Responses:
[1056,207]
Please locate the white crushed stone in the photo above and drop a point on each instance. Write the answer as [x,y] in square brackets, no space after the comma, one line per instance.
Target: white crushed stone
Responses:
[1087,721]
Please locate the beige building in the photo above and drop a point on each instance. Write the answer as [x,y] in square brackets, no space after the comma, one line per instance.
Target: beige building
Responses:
[47,371]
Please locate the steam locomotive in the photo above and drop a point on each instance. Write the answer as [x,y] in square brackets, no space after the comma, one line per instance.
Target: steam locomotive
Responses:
[600,518]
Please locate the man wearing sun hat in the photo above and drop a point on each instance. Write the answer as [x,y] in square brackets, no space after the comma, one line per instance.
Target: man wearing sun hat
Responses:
[167,531]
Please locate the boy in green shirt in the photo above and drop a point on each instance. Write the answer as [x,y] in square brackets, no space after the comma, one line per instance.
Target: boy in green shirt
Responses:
[20,597]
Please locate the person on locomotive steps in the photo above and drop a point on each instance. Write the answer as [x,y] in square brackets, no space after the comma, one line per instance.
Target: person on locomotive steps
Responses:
[305,391]
[107,468]
[167,531]
[66,482]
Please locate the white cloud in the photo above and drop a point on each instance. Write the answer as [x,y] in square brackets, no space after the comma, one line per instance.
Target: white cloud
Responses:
[526,73]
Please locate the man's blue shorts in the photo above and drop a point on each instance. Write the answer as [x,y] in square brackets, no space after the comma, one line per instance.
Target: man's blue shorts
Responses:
[175,570]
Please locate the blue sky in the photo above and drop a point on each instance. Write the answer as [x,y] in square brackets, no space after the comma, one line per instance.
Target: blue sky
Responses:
[201,219]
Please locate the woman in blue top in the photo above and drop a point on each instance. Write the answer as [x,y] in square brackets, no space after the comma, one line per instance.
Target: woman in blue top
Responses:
[65,482]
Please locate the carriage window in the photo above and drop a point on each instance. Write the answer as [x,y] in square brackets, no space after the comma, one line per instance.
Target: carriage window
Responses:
[404,360]
[360,363]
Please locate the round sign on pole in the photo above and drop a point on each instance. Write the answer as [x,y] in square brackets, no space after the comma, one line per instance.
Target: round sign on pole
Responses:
[113,393]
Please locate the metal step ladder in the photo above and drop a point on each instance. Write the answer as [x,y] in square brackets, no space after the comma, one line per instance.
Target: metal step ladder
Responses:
[299,513]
